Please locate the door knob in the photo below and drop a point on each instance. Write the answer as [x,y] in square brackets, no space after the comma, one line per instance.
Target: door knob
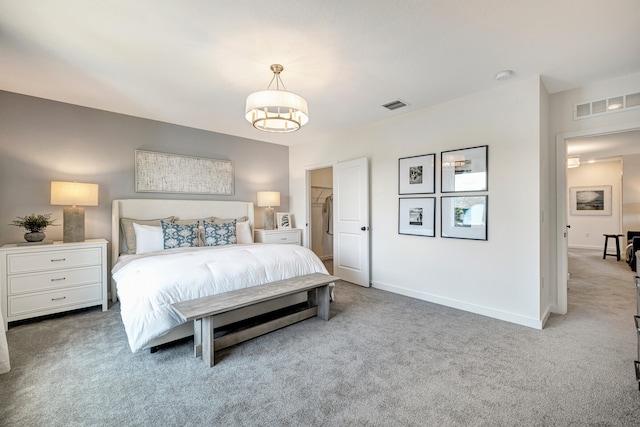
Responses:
[364,228]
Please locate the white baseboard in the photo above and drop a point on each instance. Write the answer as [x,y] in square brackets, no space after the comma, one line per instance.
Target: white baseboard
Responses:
[461,305]
[592,247]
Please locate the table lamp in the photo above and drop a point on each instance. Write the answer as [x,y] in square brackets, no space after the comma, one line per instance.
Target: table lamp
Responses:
[268,199]
[73,195]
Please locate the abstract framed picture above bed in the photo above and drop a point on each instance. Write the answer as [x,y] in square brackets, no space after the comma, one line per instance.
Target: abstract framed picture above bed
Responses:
[594,200]
[417,174]
[464,217]
[175,173]
[464,170]
[417,216]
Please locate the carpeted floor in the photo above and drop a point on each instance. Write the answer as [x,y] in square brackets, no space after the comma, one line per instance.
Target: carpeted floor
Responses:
[382,360]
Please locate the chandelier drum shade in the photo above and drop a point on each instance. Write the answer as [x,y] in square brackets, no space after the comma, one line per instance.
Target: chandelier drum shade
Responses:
[276,110]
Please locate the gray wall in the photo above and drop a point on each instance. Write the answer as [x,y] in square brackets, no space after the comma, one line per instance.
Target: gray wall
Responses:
[43,141]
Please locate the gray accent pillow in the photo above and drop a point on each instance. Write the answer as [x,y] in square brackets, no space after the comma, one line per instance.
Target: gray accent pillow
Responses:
[126,224]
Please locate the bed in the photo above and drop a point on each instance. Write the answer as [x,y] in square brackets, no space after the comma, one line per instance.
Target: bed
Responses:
[146,284]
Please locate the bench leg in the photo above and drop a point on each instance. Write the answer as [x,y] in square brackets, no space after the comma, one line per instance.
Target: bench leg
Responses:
[323,302]
[208,344]
[197,338]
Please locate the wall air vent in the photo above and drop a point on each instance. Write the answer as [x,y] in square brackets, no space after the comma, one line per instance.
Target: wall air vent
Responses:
[394,105]
[606,106]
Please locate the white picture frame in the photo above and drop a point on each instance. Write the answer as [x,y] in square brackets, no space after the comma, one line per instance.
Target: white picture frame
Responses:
[592,200]
[284,220]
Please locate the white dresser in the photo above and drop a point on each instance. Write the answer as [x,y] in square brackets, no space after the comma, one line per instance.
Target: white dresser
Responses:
[291,236]
[45,279]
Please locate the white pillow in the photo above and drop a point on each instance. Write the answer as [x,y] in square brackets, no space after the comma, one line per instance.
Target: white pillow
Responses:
[148,238]
[243,233]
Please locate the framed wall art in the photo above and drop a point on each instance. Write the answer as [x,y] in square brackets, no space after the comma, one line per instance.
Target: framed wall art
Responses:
[417,174]
[174,173]
[464,217]
[284,220]
[595,200]
[417,216]
[464,169]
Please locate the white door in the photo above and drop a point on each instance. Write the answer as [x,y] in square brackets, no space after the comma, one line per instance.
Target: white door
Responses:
[351,221]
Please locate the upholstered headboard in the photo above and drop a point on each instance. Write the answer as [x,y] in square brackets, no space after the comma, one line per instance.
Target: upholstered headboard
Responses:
[160,208]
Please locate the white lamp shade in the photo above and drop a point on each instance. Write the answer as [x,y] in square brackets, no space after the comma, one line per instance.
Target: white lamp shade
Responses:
[74,194]
[268,198]
[276,111]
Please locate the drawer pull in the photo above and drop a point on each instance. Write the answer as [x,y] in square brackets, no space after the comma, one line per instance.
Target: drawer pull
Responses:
[58,260]
[58,299]
[59,279]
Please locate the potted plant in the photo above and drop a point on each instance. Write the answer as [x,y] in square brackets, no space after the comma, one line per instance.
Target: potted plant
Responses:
[35,225]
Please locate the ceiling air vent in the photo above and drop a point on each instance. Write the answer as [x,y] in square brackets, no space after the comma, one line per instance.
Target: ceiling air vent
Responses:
[394,105]
[606,106]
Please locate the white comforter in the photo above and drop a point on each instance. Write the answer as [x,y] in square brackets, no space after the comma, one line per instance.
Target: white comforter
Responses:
[148,284]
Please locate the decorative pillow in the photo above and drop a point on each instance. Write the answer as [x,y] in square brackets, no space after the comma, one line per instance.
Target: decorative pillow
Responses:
[129,233]
[220,221]
[243,233]
[179,236]
[148,238]
[218,235]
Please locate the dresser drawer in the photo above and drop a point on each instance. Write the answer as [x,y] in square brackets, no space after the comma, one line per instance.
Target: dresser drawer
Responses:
[40,261]
[47,280]
[282,237]
[50,301]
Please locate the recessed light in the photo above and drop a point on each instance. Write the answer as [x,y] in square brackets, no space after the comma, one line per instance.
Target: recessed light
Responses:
[504,75]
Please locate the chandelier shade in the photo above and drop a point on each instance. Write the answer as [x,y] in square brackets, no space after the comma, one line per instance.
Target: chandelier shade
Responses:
[277,110]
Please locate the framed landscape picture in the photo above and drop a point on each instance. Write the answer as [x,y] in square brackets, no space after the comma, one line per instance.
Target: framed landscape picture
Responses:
[417,216]
[464,217]
[464,170]
[595,200]
[417,174]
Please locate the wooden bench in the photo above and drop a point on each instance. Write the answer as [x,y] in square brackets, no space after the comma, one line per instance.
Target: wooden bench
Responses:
[205,311]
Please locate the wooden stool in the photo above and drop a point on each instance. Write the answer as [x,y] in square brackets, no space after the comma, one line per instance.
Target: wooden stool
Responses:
[606,240]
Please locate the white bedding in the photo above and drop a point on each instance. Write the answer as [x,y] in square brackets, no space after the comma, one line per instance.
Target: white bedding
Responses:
[148,284]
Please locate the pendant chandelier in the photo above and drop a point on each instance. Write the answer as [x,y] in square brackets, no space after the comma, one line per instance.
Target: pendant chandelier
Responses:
[276,110]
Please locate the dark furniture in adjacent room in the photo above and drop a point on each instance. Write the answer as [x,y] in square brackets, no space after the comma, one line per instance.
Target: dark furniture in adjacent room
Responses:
[633,245]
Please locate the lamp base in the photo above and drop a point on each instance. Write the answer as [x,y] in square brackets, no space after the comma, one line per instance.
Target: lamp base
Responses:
[269,220]
[73,224]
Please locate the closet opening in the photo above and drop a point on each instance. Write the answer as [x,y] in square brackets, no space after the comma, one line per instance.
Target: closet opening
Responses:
[321,218]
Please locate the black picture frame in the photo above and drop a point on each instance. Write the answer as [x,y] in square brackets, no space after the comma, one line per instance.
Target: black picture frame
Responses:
[417,174]
[464,217]
[464,170]
[417,216]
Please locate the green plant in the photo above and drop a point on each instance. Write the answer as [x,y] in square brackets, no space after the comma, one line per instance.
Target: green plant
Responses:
[34,223]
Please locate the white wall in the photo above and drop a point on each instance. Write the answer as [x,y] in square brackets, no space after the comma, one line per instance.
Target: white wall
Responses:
[586,231]
[631,193]
[499,277]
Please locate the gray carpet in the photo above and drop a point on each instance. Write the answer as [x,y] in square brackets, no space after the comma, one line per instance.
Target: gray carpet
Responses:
[382,360]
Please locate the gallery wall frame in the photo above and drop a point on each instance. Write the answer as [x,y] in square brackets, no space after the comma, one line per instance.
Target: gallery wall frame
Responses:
[464,217]
[417,174]
[590,200]
[174,173]
[465,169]
[417,216]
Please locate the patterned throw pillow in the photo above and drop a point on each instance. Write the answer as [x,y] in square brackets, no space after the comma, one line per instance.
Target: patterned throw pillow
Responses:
[219,234]
[179,236]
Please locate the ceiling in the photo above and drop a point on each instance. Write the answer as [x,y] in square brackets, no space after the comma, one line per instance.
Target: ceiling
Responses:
[603,148]
[193,62]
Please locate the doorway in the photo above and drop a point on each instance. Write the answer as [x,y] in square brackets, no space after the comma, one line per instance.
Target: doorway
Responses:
[562,205]
[321,215]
